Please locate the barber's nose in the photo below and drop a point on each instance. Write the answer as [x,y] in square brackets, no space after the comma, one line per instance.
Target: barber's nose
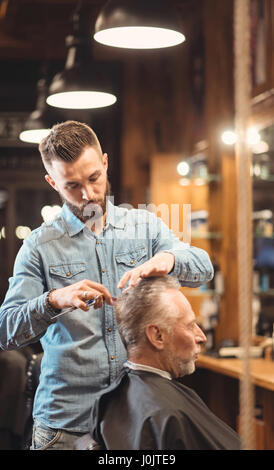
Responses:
[87,193]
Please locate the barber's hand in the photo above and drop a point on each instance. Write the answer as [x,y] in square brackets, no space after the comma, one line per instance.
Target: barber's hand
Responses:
[77,294]
[160,265]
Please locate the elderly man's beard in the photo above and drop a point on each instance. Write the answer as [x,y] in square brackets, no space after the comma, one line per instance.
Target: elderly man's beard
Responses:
[90,211]
[180,367]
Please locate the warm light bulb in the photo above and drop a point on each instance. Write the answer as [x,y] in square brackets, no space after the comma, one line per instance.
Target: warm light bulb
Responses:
[34,136]
[260,147]
[184,182]
[199,181]
[183,168]
[81,100]
[49,212]
[139,37]
[253,136]
[22,232]
[229,137]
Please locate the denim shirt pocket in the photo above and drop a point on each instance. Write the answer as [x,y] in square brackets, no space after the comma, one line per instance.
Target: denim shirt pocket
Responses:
[67,273]
[130,259]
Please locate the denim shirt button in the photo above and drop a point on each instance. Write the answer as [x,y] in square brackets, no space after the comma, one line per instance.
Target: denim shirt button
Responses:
[112,357]
[109,330]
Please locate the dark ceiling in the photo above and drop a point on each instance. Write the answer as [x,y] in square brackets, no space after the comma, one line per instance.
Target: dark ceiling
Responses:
[36,29]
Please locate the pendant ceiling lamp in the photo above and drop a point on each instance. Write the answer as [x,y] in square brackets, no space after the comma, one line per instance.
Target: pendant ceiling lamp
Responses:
[139,24]
[38,124]
[78,86]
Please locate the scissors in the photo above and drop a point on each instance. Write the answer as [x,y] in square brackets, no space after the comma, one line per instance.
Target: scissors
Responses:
[71,309]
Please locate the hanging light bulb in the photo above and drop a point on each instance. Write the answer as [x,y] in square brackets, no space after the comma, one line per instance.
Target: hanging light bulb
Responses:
[40,121]
[75,87]
[229,137]
[139,24]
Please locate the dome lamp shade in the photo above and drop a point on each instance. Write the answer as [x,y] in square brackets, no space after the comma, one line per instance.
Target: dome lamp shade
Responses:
[139,24]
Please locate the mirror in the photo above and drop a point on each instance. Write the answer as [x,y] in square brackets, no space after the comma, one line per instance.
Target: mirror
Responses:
[262,172]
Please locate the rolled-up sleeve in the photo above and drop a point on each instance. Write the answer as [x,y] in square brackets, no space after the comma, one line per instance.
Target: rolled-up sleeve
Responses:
[192,265]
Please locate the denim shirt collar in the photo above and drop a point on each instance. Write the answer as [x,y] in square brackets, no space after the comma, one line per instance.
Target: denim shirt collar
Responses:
[116,217]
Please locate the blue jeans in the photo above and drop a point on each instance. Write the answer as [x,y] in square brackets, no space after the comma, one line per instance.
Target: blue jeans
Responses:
[45,438]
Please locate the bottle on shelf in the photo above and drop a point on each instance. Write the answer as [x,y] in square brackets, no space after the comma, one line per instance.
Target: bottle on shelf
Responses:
[209,314]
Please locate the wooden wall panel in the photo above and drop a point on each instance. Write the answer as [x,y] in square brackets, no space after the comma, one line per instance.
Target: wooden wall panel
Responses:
[219,115]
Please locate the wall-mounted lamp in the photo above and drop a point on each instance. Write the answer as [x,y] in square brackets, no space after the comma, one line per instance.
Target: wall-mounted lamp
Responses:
[183,168]
[229,137]
[253,137]
[139,24]
[38,124]
[76,87]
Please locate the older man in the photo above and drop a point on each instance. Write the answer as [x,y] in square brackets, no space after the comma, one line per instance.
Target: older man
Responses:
[146,407]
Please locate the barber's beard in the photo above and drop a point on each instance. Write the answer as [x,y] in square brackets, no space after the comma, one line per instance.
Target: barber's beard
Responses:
[89,211]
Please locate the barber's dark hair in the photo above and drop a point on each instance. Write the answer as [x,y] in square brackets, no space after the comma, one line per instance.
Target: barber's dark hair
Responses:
[142,305]
[66,141]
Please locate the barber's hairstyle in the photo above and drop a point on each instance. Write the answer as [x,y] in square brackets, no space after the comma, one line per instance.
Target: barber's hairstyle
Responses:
[67,141]
[145,304]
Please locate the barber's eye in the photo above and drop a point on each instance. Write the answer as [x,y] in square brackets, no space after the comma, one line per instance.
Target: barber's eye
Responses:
[94,178]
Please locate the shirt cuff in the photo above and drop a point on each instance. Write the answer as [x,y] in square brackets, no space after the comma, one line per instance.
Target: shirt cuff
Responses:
[176,267]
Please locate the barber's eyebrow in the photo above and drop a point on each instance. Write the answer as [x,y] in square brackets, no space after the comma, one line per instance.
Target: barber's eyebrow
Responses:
[95,174]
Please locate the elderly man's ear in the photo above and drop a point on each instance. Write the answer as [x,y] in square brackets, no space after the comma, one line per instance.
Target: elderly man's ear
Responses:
[155,336]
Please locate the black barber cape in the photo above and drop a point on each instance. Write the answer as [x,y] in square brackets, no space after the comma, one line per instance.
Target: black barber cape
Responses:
[141,410]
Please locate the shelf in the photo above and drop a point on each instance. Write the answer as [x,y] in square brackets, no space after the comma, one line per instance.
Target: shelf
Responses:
[199,180]
[207,179]
[268,292]
[206,235]
[264,236]
[200,293]
[269,179]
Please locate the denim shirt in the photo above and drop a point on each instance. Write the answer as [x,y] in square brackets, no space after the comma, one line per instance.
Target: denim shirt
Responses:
[83,351]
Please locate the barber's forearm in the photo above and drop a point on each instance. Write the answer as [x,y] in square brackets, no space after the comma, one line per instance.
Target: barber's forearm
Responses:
[23,324]
[192,266]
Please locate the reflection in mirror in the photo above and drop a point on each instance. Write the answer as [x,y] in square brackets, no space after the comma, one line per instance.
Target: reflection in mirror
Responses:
[262,172]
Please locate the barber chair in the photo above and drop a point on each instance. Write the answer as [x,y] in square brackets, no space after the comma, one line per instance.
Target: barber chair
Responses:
[33,374]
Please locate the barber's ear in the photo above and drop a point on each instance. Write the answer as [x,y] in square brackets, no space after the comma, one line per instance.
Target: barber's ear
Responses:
[155,336]
[50,181]
[105,161]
